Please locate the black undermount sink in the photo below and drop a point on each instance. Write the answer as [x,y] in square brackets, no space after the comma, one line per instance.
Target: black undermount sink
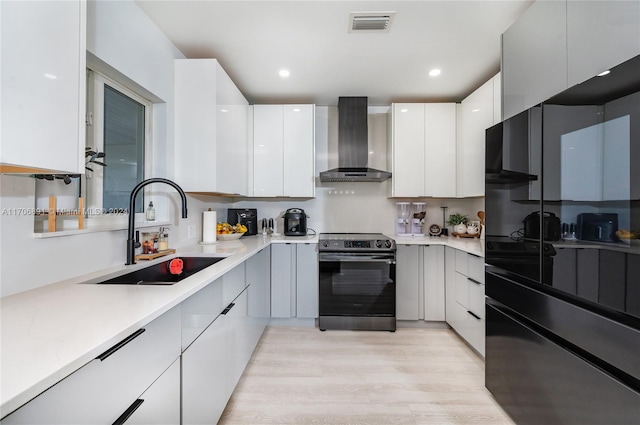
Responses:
[158,274]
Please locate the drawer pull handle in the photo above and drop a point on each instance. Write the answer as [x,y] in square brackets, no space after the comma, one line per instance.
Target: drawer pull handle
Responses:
[474,255]
[474,315]
[127,413]
[229,307]
[474,281]
[102,357]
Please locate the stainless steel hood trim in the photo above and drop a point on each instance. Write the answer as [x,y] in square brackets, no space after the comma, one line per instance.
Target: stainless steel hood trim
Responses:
[354,175]
[353,145]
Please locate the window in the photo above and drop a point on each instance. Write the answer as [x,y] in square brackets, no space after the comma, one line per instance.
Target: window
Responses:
[118,125]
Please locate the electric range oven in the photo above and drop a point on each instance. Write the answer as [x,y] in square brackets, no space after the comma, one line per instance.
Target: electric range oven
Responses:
[357,282]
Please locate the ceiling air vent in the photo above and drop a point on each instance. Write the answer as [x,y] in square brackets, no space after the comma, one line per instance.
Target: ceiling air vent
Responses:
[370,21]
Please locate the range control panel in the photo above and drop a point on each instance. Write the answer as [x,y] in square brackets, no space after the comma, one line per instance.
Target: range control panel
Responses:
[339,242]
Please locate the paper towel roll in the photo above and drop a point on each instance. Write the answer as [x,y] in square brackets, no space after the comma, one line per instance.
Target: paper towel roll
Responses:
[209,221]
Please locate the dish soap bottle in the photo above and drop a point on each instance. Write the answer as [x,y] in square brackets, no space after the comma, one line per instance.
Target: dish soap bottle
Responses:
[151,212]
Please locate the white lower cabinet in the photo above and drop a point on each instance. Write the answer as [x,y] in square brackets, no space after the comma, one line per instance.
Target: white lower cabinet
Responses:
[105,388]
[465,306]
[160,403]
[213,363]
[258,270]
[294,280]
[420,282]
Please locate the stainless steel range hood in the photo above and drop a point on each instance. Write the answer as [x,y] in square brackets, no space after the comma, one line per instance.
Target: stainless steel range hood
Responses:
[353,145]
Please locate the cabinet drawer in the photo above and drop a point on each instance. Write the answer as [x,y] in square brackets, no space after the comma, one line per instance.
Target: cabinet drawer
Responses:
[233,282]
[161,401]
[476,268]
[200,310]
[462,262]
[105,387]
[462,290]
[476,299]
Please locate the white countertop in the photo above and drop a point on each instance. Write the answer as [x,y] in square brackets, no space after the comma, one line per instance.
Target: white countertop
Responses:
[49,332]
[473,246]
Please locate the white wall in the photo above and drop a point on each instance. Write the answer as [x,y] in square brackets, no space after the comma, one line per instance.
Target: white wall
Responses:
[124,43]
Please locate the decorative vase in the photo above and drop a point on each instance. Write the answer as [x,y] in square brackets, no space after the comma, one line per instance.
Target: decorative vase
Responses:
[460,228]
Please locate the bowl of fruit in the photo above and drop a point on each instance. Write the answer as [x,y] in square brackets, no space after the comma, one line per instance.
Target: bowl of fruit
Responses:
[230,232]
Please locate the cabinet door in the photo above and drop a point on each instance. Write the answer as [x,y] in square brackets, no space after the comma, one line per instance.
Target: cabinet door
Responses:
[407,282]
[205,367]
[450,285]
[307,276]
[258,271]
[497,98]
[439,162]
[434,287]
[200,310]
[408,149]
[43,70]
[476,113]
[161,401]
[268,153]
[299,148]
[534,57]
[283,260]
[240,343]
[600,35]
[195,123]
[564,270]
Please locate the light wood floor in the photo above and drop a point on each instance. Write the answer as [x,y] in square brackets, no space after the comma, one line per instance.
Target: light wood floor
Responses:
[413,376]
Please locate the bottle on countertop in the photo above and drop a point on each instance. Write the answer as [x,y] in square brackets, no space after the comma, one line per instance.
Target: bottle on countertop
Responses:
[163,240]
[151,212]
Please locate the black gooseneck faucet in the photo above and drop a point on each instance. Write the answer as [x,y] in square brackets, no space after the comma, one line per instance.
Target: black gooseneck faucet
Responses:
[131,242]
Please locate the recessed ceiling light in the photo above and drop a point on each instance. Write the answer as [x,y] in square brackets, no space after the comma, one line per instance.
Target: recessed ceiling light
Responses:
[296,109]
[603,73]
[284,73]
[475,110]
[404,110]
[434,72]
[50,76]
[224,110]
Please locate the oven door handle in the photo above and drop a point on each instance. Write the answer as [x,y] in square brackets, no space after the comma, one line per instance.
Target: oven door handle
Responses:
[389,259]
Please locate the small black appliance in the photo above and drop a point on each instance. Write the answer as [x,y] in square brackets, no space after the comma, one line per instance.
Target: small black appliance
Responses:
[550,226]
[295,222]
[598,227]
[245,216]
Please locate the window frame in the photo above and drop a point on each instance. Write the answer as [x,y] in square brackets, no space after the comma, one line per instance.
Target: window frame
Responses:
[95,139]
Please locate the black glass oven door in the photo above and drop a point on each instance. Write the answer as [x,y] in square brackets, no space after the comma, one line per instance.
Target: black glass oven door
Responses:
[357,285]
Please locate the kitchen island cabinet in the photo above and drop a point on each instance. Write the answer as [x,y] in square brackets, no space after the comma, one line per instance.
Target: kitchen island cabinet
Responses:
[283,151]
[42,123]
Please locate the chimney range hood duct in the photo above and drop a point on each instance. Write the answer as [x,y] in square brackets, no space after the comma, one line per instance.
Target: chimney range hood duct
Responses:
[353,145]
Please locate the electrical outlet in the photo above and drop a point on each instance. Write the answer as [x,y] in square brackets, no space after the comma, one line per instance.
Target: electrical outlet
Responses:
[191,232]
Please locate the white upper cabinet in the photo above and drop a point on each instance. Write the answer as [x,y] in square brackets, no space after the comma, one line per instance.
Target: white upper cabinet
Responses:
[283,151]
[423,149]
[407,149]
[211,137]
[477,113]
[600,35]
[557,44]
[43,76]
[534,56]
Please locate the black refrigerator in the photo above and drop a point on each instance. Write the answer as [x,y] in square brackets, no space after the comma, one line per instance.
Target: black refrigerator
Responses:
[562,249]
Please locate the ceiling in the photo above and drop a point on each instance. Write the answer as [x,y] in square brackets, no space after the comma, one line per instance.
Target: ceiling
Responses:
[253,40]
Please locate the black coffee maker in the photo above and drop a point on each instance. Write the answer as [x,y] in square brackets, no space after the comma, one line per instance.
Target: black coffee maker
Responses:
[295,222]
[245,216]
